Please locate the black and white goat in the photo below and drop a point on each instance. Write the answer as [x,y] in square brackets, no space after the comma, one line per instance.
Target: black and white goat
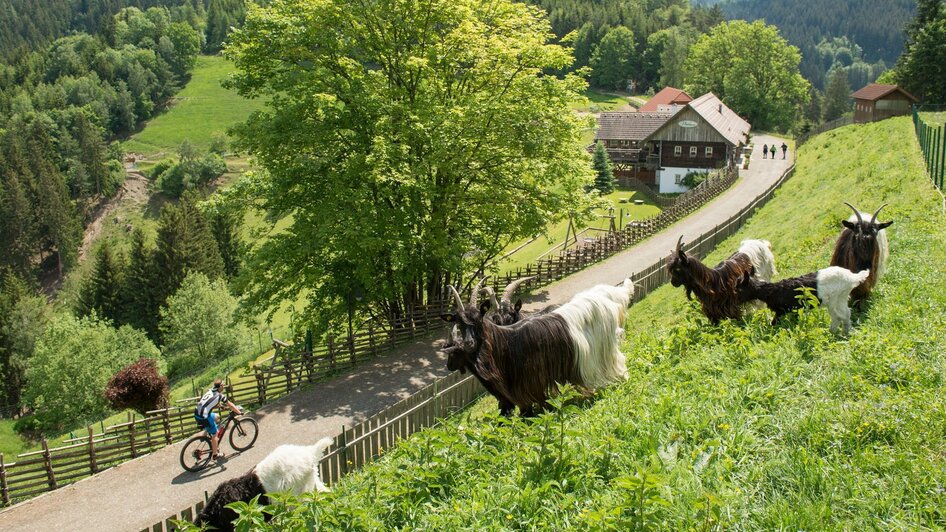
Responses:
[861,246]
[292,468]
[717,288]
[577,343]
[832,286]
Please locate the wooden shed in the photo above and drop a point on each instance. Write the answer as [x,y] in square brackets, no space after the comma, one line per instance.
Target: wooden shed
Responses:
[877,101]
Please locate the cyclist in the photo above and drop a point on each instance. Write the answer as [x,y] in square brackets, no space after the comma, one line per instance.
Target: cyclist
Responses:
[207,418]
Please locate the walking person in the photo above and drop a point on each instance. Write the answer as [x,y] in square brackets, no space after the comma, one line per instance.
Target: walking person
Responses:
[765,151]
[784,149]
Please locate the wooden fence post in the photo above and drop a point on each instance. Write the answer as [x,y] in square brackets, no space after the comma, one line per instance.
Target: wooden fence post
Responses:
[344,451]
[4,490]
[330,343]
[48,464]
[166,421]
[260,385]
[93,463]
[131,434]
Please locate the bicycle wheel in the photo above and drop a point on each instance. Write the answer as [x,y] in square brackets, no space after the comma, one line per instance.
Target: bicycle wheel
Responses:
[196,453]
[243,434]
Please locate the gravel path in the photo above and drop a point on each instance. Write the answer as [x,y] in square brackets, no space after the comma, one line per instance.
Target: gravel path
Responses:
[142,492]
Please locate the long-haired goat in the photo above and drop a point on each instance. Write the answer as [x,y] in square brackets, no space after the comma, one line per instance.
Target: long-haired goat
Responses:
[832,286]
[863,245]
[717,288]
[577,343]
[292,468]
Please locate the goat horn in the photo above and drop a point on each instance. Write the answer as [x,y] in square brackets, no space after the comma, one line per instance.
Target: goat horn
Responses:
[456,299]
[492,297]
[475,293]
[874,219]
[857,213]
[511,288]
[679,245]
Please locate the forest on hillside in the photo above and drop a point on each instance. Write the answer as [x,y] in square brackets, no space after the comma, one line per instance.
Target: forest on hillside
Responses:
[851,34]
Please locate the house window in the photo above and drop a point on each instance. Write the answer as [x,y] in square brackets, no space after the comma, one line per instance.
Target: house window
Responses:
[678,179]
[693,151]
[678,151]
[709,151]
[623,143]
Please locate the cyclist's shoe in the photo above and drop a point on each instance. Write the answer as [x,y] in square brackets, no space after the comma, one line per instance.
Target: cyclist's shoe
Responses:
[220,457]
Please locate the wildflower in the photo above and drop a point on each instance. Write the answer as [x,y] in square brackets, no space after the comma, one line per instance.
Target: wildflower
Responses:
[509,517]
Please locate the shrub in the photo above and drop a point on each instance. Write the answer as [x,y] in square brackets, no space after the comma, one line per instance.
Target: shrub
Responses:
[138,386]
[693,179]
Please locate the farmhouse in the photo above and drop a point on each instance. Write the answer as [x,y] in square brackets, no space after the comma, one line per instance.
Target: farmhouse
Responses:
[877,101]
[667,100]
[661,148]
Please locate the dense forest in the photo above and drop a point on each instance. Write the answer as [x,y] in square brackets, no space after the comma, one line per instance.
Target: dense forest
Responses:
[852,34]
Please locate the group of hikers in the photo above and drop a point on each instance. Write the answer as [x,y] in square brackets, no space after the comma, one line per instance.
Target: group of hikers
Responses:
[766,150]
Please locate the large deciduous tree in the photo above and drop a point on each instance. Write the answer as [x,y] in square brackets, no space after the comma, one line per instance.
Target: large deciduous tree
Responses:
[751,68]
[614,60]
[404,144]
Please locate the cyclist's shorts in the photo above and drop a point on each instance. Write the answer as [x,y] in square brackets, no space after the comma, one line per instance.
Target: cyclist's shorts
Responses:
[208,423]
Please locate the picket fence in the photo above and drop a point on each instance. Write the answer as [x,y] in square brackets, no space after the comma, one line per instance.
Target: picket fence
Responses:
[52,467]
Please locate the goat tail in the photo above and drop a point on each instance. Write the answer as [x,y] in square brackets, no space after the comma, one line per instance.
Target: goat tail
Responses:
[761,256]
[320,449]
[860,277]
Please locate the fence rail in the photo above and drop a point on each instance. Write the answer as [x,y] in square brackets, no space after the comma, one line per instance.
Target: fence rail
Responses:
[53,467]
[827,126]
[932,139]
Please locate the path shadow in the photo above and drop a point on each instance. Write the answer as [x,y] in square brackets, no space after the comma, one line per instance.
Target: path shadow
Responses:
[187,477]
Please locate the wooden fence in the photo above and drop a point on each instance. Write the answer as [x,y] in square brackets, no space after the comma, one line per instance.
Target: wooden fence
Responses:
[53,467]
[932,141]
[827,126]
[356,446]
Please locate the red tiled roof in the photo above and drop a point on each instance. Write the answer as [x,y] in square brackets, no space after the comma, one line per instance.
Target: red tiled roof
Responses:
[876,91]
[667,96]
[629,126]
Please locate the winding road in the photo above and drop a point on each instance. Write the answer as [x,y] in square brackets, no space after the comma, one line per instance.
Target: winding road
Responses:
[144,491]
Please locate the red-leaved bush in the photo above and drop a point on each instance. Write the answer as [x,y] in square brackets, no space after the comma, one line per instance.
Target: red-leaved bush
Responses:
[139,386]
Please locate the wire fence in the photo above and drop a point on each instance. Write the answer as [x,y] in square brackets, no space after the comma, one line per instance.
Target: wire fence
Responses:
[931,135]
[827,126]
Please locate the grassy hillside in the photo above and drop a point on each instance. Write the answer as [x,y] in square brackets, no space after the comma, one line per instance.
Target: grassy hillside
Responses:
[743,425]
[202,111]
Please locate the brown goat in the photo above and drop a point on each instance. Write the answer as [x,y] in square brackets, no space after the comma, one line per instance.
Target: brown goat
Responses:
[861,246]
[716,288]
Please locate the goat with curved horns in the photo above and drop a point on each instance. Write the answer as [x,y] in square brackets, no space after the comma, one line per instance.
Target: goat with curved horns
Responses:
[717,288]
[506,312]
[863,246]
[577,343]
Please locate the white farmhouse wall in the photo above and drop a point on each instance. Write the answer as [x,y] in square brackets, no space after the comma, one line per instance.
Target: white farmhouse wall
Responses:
[669,176]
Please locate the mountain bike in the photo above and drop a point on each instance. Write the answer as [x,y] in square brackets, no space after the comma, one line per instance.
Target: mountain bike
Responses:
[197,452]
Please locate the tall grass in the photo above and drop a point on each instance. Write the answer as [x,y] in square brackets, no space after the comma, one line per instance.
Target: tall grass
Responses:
[737,426]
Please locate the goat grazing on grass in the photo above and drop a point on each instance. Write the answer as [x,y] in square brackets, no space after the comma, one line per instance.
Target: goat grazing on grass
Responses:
[577,343]
[832,286]
[863,246]
[717,288]
[292,468]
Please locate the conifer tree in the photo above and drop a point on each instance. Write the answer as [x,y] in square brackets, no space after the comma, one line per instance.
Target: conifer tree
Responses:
[141,308]
[226,232]
[102,292]
[837,98]
[604,175]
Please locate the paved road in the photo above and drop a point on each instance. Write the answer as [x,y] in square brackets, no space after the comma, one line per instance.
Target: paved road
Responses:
[142,492]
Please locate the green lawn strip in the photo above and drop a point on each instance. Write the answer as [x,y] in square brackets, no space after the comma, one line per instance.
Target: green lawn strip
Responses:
[934,119]
[201,111]
[557,232]
[741,425]
[596,101]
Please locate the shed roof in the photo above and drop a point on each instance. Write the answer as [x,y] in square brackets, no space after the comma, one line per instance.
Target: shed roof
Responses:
[876,91]
[723,119]
[667,96]
[629,126]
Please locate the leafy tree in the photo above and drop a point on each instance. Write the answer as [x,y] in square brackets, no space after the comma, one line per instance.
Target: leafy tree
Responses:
[23,316]
[837,98]
[604,175]
[198,324]
[73,361]
[408,145]
[665,56]
[751,68]
[612,62]
[102,292]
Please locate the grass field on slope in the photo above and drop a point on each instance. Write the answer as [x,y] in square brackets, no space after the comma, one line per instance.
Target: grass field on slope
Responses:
[737,426]
[200,112]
